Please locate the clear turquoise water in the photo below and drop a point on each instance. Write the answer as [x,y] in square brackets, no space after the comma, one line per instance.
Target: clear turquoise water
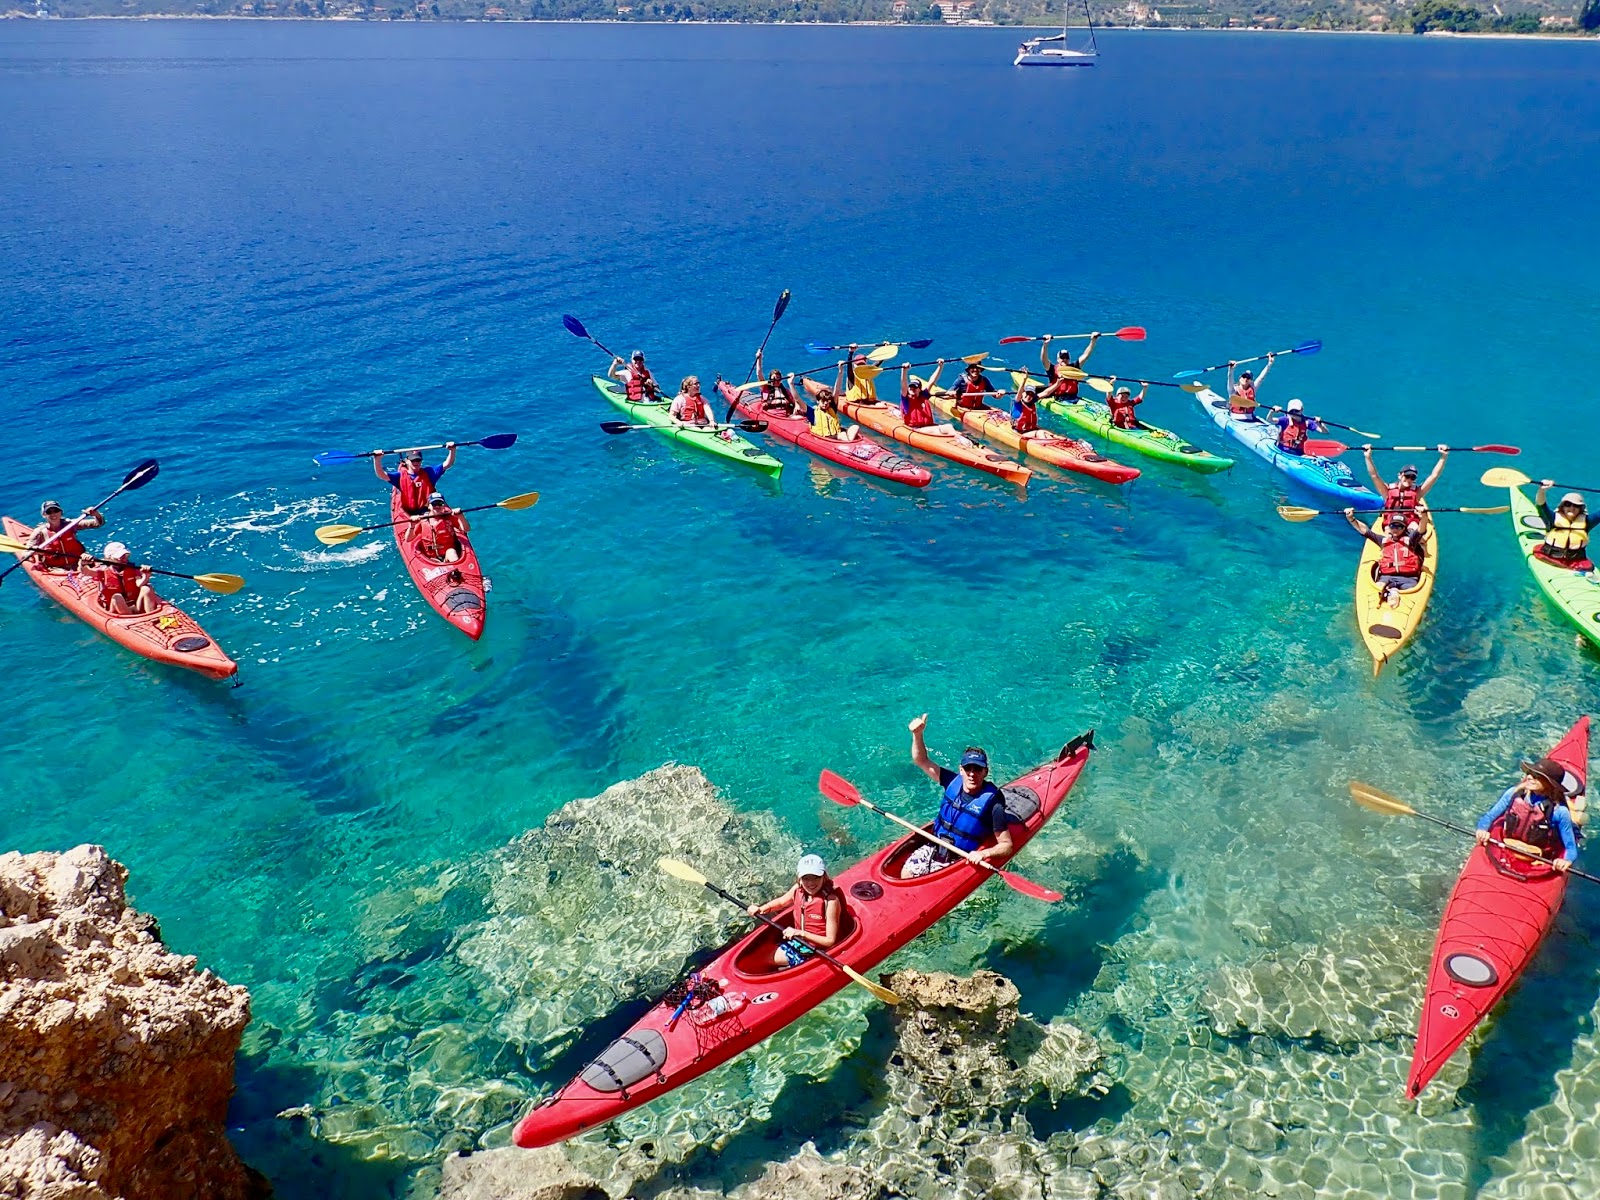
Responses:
[232,245]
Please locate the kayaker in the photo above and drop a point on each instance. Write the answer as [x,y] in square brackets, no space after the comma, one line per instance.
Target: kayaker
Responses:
[971,811]
[1566,540]
[1294,427]
[1535,814]
[124,588]
[825,417]
[635,378]
[859,380]
[1399,565]
[690,410]
[414,481]
[815,908]
[1242,395]
[64,551]
[1122,402]
[1058,386]
[973,389]
[1025,410]
[438,531]
[914,404]
[1404,494]
[776,397]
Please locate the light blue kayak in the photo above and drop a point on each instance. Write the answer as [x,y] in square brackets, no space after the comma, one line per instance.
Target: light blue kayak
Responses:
[1326,476]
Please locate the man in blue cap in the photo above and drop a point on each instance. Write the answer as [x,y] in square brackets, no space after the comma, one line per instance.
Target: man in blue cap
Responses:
[971,812]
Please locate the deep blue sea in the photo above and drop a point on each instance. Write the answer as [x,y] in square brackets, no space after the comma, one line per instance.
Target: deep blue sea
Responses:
[231,245]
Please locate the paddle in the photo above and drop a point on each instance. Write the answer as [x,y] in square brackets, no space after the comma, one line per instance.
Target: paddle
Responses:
[338,535]
[136,478]
[742,426]
[329,458]
[1369,797]
[841,791]
[914,343]
[777,312]
[1510,477]
[1128,333]
[1328,449]
[682,870]
[1362,432]
[223,585]
[1302,348]
[1291,512]
[576,329]
[1105,385]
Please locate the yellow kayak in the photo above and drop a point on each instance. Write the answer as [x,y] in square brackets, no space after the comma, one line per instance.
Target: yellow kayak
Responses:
[1386,629]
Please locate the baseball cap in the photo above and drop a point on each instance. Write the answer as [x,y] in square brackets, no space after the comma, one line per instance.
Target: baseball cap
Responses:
[811,864]
[114,550]
[435,498]
[975,758]
[1296,406]
[49,506]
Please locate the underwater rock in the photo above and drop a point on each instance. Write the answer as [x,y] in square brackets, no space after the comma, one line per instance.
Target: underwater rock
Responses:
[116,1055]
[544,1174]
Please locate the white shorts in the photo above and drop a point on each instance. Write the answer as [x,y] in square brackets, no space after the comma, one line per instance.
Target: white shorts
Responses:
[922,862]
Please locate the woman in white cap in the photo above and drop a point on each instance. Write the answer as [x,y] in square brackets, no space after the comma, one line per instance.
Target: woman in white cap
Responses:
[1294,427]
[1405,493]
[814,905]
[124,588]
[1566,541]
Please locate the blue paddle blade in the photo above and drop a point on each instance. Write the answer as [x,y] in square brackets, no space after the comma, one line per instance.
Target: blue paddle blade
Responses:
[574,326]
[920,343]
[817,348]
[1307,348]
[783,303]
[142,474]
[332,458]
[498,441]
[1186,374]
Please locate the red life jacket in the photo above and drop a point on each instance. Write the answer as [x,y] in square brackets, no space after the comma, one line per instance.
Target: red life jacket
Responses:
[1243,398]
[974,388]
[811,912]
[415,490]
[1028,421]
[437,536]
[635,383]
[1403,500]
[1122,412]
[117,581]
[1068,389]
[1526,822]
[63,553]
[694,409]
[775,399]
[918,412]
[1292,437]
[1398,558]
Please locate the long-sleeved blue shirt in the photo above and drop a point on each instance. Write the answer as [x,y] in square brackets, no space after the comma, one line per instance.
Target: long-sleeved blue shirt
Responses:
[1561,819]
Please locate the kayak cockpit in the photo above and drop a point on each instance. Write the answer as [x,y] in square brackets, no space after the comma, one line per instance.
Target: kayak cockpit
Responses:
[756,959]
[1022,802]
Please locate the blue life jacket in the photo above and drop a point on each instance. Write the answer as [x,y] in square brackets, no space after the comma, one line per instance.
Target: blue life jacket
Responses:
[963,820]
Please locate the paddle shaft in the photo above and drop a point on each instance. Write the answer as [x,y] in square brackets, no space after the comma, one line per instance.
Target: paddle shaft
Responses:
[68,526]
[407,519]
[777,312]
[1473,833]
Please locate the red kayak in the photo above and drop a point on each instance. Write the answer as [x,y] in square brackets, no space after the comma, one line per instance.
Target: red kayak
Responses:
[1501,909]
[860,455]
[882,912]
[454,590]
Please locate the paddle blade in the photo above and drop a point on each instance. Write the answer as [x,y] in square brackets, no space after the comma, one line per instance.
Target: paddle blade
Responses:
[1102,386]
[817,348]
[223,585]
[780,306]
[920,343]
[1497,449]
[498,441]
[334,458]
[615,426]
[751,426]
[336,535]
[877,989]
[1029,888]
[1130,333]
[1324,449]
[1497,477]
[1188,374]
[142,474]
[969,359]
[1015,338]
[883,353]
[681,870]
[1191,388]
[517,503]
[574,326]
[1291,512]
[838,789]
[1484,512]
[11,545]
[1307,348]
[1370,797]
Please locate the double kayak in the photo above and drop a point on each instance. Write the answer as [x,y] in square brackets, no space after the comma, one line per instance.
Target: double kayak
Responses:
[658,414]
[1326,476]
[942,440]
[860,455]
[168,635]
[1070,454]
[1149,440]
[1575,593]
[454,590]
[1385,629]
[1501,909]
[882,912]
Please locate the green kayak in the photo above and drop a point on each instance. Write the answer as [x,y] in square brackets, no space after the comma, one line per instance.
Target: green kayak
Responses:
[734,448]
[1576,593]
[1157,443]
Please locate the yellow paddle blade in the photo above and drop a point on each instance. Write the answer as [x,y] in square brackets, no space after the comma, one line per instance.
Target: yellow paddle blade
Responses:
[1192,388]
[1071,373]
[336,535]
[1368,796]
[969,359]
[681,870]
[1100,385]
[878,990]
[1291,512]
[516,503]
[223,585]
[880,354]
[1504,477]
[11,546]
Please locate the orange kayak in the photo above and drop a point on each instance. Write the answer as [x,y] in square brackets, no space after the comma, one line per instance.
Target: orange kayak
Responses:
[941,440]
[1070,454]
[168,635]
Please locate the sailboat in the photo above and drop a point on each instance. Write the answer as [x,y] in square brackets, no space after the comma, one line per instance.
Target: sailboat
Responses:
[1038,52]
